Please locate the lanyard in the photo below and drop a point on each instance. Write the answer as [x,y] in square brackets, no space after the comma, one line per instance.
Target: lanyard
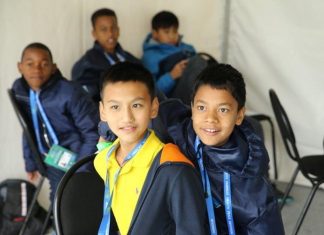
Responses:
[35,106]
[209,199]
[206,184]
[112,61]
[105,222]
[228,203]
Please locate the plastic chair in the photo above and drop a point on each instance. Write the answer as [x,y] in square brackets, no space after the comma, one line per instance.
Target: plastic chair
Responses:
[311,166]
[78,203]
[28,132]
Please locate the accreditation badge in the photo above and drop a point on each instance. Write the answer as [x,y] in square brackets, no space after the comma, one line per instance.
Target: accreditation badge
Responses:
[60,157]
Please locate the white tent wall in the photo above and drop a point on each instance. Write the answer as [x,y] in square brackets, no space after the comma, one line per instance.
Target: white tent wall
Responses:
[279,44]
[64,26]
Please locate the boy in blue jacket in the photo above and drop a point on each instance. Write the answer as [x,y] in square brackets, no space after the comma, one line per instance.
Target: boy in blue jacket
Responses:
[150,187]
[164,52]
[105,52]
[231,158]
[58,110]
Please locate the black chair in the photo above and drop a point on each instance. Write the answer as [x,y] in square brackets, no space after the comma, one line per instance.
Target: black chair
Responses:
[78,203]
[29,133]
[310,166]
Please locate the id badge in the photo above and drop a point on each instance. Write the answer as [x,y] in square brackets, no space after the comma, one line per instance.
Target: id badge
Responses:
[60,157]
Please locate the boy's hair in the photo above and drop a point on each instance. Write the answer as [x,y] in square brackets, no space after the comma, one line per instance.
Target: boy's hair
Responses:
[102,12]
[37,45]
[126,72]
[164,19]
[225,77]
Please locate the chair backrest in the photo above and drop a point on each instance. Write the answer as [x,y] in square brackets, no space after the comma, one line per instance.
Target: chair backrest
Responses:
[28,132]
[78,203]
[285,128]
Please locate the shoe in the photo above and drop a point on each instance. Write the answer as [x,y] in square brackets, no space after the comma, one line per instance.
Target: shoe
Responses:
[279,194]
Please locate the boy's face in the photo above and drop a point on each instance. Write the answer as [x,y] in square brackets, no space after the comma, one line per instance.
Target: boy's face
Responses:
[106,32]
[128,109]
[166,35]
[36,67]
[214,115]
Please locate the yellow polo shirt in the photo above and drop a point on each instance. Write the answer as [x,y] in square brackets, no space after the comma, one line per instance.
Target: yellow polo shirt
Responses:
[131,178]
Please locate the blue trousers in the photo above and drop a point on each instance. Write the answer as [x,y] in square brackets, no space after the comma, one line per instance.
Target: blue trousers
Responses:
[54,176]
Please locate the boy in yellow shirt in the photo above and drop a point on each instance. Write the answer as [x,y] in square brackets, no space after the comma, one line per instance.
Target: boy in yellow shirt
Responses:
[150,187]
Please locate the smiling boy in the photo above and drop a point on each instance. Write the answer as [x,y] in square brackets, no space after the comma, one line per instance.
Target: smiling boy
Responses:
[232,159]
[150,187]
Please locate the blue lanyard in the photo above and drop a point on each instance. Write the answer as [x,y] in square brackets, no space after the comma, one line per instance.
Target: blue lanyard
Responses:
[209,199]
[105,222]
[206,184]
[228,203]
[35,105]
[112,61]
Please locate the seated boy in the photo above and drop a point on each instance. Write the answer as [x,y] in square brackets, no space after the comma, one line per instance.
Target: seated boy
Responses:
[150,188]
[164,53]
[105,52]
[231,157]
[58,110]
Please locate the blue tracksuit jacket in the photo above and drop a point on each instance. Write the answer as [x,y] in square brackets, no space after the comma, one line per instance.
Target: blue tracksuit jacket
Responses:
[154,53]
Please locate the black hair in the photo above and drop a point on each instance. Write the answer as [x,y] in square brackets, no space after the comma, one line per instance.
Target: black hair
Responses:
[164,19]
[37,45]
[102,12]
[225,77]
[127,71]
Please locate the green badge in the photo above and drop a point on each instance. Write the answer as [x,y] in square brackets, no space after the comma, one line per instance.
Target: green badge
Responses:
[60,157]
[103,145]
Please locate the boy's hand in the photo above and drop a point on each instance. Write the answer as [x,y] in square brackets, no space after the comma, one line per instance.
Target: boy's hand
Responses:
[178,69]
[32,176]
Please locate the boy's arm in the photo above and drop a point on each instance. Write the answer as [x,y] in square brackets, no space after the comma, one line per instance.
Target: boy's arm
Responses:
[268,222]
[172,112]
[30,164]
[164,82]
[187,203]
[86,118]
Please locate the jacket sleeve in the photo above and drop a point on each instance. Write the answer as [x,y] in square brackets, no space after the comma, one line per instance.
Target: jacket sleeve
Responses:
[86,118]
[269,222]
[173,111]
[30,164]
[187,204]
[165,83]
[151,61]
[260,214]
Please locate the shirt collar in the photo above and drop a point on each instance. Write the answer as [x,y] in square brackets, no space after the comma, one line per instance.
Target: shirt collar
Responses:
[144,156]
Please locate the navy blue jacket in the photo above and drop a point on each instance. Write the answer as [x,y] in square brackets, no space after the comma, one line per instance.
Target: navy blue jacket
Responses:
[89,68]
[72,114]
[255,209]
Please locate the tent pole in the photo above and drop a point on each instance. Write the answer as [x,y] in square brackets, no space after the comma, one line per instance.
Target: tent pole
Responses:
[226,28]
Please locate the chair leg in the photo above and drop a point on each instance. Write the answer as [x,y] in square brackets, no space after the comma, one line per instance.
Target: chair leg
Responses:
[274,150]
[289,187]
[305,209]
[31,207]
[48,216]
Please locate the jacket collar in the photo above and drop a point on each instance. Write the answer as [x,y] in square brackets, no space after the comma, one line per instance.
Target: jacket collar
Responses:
[53,79]
[244,154]
[118,48]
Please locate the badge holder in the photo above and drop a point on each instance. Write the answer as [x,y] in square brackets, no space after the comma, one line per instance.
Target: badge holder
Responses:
[60,158]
